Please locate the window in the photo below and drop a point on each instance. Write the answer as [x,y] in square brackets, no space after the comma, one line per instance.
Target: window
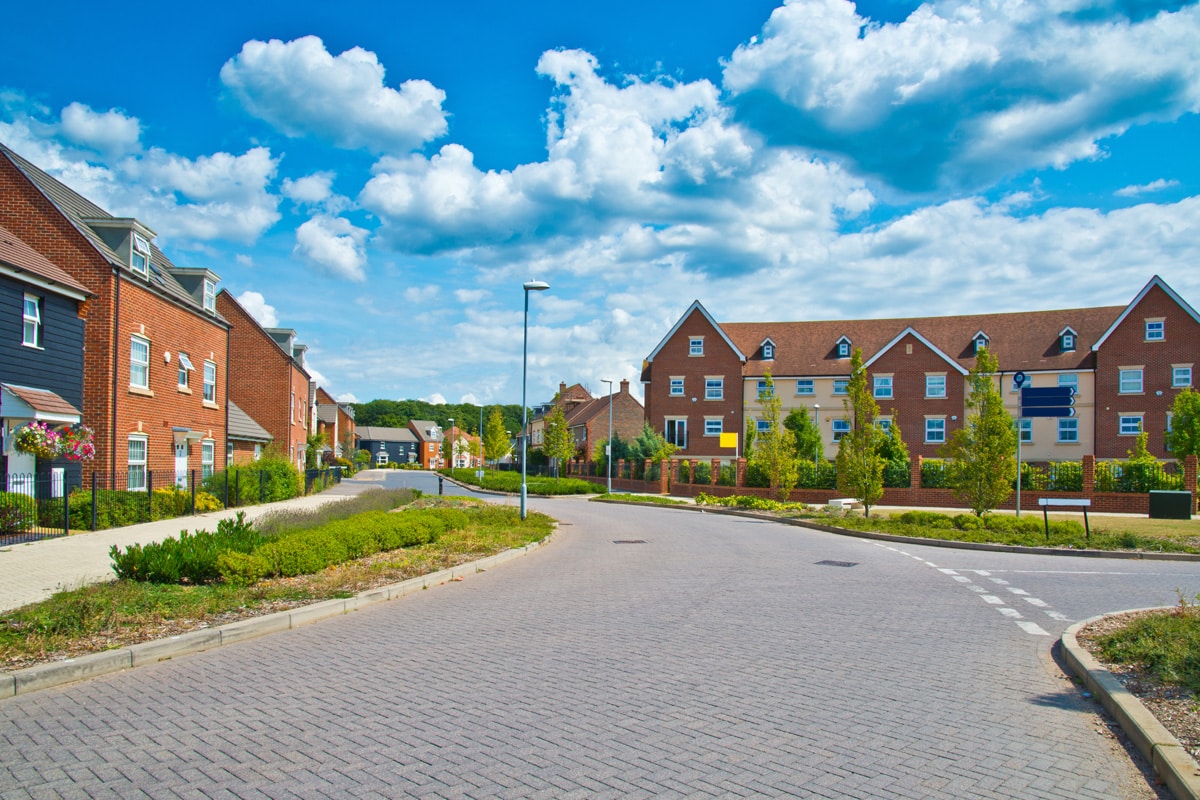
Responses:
[1131,381]
[139,255]
[935,430]
[884,424]
[1069,379]
[765,392]
[805,386]
[257,452]
[381,458]
[293,408]
[1181,377]
[696,346]
[843,347]
[210,382]
[981,342]
[840,428]
[714,388]
[841,385]
[1068,430]
[713,426]
[137,464]
[935,385]
[32,316]
[210,296]
[676,387]
[139,362]
[762,426]
[768,351]
[185,366]
[1067,341]
[676,432]
[883,386]
[1154,330]
[1016,387]
[1026,431]
[1130,425]
[207,448]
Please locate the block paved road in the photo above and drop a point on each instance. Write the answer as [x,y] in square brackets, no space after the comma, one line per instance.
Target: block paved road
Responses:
[719,658]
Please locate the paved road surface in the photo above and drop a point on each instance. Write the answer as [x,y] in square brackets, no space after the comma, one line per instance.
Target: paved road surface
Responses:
[719,657]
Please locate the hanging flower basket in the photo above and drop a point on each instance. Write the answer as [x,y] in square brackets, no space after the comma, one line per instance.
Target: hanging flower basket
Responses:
[39,439]
[75,443]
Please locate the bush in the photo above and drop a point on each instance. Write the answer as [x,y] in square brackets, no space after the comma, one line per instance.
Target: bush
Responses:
[756,476]
[1066,476]
[727,476]
[816,475]
[1002,523]
[267,480]
[114,508]
[967,522]
[241,569]
[301,553]
[896,474]
[703,473]
[925,519]
[192,558]
[934,474]
[17,512]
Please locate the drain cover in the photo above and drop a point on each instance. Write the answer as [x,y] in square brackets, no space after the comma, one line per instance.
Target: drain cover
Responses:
[629,541]
[837,563]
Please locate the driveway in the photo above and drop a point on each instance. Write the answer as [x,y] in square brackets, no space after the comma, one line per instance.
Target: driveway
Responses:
[646,653]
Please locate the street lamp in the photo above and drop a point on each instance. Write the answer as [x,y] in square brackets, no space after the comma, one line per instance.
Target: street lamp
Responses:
[451,451]
[528,286]
[608,445]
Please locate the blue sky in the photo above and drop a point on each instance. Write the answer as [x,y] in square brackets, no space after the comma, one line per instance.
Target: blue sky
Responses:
[383,177]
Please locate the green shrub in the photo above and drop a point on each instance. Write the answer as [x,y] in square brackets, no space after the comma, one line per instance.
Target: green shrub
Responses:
[1066,476]
[17,512]
[934,474]
[277,523]
[269,478]
[967,522]
[756,476]
[925,519]
[301,553]
[727,476]
[452,519]
[192,558]
[1003,523]
[241,569]
[114,508]
[703,473]
[816,475]
[897,474]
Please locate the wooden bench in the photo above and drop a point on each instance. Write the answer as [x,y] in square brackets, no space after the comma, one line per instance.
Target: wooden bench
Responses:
[1065,502]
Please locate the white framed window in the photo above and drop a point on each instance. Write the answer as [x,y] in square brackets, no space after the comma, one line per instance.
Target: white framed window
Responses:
[1181,377]
[1170,422]
[139,362]
[31,316]
[1069,379]
[762,426]
[1068,430]
[675,432]
[714,388]
[185,366]
[713,426]
[884,424]
[883,386]
[805,386]
[1026,431]
[257,452]
[137,464]
[293,408]
[935,386]
[381,458]
[841,385]
[843,348]
[981,342]
[1067,344]
[210,296]
[935,430]
[676,387]
[1155,330]
[696,346]
[139,254]
[840,428]
[768,351]
[210,382]
[207,450]
[1129,425]
[1130,381]
[764,392]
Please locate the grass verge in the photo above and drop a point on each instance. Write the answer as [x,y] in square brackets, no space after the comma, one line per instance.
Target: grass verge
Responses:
[1166,644]
[650,499]
[121,613]
[510,482]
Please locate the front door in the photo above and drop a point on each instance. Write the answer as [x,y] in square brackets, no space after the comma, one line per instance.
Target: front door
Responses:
[181,468]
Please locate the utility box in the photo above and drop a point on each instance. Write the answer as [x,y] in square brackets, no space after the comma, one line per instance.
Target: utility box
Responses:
[1170,505]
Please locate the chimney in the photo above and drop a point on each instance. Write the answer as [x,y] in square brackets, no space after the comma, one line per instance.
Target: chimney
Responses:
[562,387]
[624,386]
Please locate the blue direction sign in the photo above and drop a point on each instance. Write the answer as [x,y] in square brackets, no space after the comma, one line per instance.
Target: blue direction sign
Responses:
[1048,401]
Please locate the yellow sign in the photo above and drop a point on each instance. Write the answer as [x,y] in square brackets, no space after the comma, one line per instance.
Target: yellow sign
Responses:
[729,440]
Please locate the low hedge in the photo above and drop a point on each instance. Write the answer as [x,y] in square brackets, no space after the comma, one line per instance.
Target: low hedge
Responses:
[192,558]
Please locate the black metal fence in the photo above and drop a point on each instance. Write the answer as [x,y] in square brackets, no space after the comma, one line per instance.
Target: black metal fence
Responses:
[33,507]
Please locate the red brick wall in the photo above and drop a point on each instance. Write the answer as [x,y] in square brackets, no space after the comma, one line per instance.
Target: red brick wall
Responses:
[908,405]
[718,359]
[1126,346]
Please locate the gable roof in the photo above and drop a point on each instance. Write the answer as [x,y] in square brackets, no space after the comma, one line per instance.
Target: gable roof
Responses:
[1155,281]
[377,433]
[32,266]
[242,426]
[917,335]
[422,428]
[77,209]
[266,333]
[696,306]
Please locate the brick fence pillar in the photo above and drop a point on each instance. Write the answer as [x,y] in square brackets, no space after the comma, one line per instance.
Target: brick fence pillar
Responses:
[664,473]
[620,467]
[740,473]
[914,480]
[1189,477]
[716,471]
[646,469]
[1089,476]
[676,477]
[692,463]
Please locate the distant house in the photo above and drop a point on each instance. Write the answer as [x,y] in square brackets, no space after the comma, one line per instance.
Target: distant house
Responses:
[336,421]
[429,436]
[247,439]
[395,445]
[587,417]
[41,358]
[568,398]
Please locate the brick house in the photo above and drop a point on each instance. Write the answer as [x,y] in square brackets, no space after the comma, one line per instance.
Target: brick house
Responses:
[394,445]
[268,379]
[588,422]
[41,361]
[247,439]
[568,398]
[155,360]
[336,421]
[429,442]
[1126,363]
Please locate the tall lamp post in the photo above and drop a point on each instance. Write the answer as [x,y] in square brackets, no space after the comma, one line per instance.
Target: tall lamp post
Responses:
[451,443]
[479,472]
[608,445]
[529,286]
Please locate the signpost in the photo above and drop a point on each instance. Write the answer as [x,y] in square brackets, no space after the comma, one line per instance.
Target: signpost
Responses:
[1044,401]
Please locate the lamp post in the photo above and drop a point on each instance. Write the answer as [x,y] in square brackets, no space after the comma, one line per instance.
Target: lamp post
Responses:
[817,421]
[451,442]
[528,286]
[608,445]
[479,473]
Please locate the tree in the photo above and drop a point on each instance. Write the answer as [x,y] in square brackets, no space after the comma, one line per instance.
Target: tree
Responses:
[775,448]
[982,452]
[1183,440]
[859,465]
[649,444]
[312,452]
[894,452]
[805,434]
[620,450]
[496,443]
[558,444]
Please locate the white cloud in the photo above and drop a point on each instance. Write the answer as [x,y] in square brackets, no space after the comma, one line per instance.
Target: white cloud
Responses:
[301,89]
[257,307]
[309,189]
[421,294]
[435,398]
[471,296]
[334,246]
[1146,188]
[346,397]
[110,132]
[244,260]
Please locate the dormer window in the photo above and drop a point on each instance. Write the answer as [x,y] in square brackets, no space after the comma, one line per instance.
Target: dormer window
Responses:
[843,347]
[981,342]
[210,296]
[768,350]
[1066,340]
[139,255]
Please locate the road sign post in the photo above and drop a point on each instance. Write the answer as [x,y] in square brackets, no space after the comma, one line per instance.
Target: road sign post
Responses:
[1043,401]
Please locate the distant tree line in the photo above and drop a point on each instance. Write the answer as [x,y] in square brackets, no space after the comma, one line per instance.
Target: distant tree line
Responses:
[397,413]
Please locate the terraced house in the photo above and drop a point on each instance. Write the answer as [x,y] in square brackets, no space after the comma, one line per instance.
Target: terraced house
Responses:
[155,360]
[1126,364]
